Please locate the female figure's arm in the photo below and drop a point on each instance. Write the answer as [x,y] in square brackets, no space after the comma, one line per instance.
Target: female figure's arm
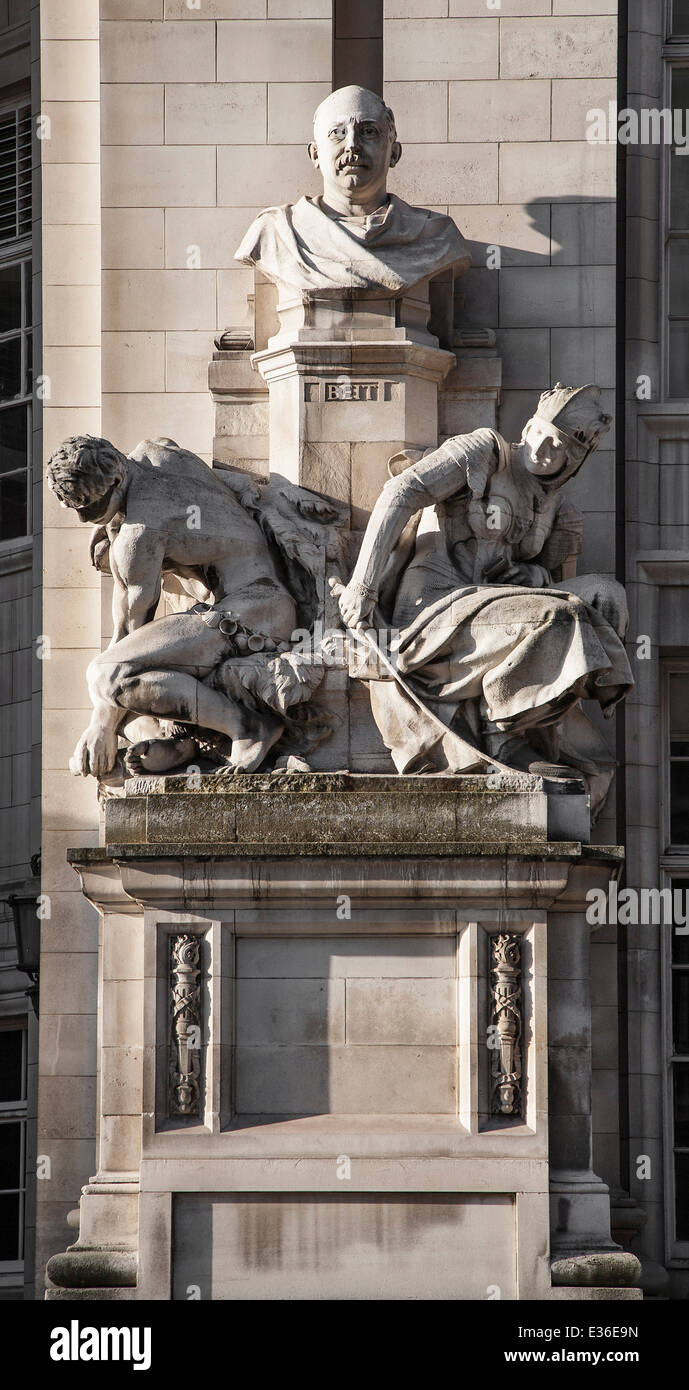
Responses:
[440,475]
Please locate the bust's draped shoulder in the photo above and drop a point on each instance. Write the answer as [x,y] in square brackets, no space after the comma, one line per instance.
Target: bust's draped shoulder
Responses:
[304,247]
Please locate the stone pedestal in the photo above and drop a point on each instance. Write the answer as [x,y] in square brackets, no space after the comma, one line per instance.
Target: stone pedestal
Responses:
[324,1053]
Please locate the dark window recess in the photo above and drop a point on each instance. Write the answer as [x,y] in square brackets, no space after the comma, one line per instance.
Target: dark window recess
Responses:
[679,19]
[11,1065]
[358,44]
[10,1226]
[10,1154]
[680,1064]
[679,758]
[678,247]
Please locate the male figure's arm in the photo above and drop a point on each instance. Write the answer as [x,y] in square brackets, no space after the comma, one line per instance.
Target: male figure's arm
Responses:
[136,561]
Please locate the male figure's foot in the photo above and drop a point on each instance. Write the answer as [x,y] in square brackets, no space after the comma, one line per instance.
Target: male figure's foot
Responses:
[158,755]
[248,752]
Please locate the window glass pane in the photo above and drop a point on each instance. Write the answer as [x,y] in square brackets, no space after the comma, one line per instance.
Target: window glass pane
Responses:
[28,384]
[679,803]
[680,943]
[678,384]
[13,439]
[682,1196]
[680,1023]
[10,297]
[680,17]
[10,368]
[679,163]
[28,283]
[679,706]
[10,1245]
[11,1077]
[13,508]
[10,1154]
[679,276]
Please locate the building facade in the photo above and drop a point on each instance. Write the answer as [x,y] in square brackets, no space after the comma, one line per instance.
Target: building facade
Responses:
[156,130]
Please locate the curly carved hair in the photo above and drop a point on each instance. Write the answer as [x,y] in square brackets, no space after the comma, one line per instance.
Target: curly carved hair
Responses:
[83,469]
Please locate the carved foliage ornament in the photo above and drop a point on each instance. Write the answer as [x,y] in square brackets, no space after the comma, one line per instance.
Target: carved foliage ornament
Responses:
[185,1024]
[506,1012]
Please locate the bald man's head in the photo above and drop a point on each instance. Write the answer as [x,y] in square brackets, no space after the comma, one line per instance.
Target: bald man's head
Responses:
[354,144]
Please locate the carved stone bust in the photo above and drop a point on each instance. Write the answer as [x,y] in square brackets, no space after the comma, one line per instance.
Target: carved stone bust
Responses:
[356,235]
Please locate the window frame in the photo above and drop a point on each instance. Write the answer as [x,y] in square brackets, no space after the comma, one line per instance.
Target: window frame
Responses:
[17,1111]
[674,865]
[19,250]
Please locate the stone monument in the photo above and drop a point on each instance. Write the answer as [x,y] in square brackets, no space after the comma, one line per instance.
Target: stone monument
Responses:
[346,1042]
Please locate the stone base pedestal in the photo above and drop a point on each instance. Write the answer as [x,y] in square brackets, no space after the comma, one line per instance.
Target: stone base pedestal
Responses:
[324,1045]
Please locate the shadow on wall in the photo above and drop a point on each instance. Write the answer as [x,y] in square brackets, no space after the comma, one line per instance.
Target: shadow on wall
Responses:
[548,288]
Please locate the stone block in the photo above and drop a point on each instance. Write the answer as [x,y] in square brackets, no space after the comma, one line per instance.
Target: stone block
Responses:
[131,113]
[275,51]
[228,112]
[71,255]
[69,982]
[186,360]
[293,1080]
[525,354]
[595,7]
[69,70]
[420,111]
[68,1045]
[61,729]
[287,1012]
[578,353]
[361,1246]
[134,362]
[216,9]
[74,132]
[298,9]
[417,1013]
[584,233]
[71,617]
[573,98]
[69,802]
[71,315]
[263,176]
[122,1013]
[506,8]
[415,9]
[132,9]
[433,49]
[216,232]
[442,174]
[564,169]
[500,111]
[585,47]
[290,111]
[522,234]
[557,296]
[67,674]
[146,300]
[71,193]
[133,238]
[66,559]
[74,376]
[120,1142]
[158,52]
[186,417]
[234,306]
[71,19]
[336,957]
[157,176]
[121,1079]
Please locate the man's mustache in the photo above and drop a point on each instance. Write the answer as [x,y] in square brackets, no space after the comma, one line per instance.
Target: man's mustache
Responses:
[352,161]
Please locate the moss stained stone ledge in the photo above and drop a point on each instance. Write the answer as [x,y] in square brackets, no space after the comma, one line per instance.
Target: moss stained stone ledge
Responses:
[356,813]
